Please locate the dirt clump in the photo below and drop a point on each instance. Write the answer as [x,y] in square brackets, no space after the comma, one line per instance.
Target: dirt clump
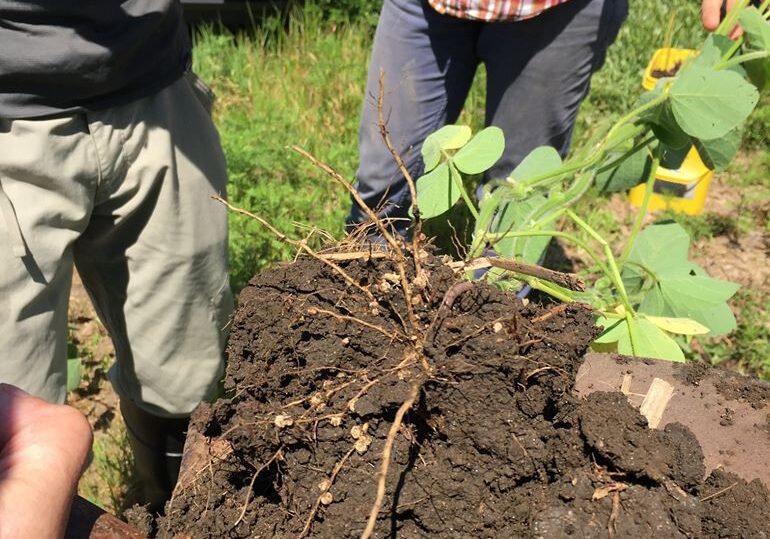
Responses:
[471,410]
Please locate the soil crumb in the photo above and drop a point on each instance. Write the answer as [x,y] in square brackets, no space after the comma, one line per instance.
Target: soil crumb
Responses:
[493,446]
[734,387]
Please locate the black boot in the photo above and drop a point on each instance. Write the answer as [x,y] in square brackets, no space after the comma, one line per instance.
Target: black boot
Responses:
[157,444]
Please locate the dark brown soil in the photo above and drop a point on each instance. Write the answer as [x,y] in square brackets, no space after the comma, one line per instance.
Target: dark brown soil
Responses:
[660,73]
[495,445]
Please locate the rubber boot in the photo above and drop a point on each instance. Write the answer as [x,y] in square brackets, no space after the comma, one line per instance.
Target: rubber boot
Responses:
[157,444]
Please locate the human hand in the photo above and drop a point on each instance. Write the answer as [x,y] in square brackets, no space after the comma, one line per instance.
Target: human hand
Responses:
[43,449]
[711,15]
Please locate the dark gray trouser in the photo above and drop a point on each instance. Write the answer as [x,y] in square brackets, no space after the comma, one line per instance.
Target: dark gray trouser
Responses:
[538,72]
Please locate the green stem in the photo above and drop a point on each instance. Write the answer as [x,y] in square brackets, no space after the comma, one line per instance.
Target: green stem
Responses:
[611,165]
[550,289]
[613,273]
[598,152]
[632,331]
[749,56]
[731,19]
[763,6]
[454,174]
[648,190]
[731,51]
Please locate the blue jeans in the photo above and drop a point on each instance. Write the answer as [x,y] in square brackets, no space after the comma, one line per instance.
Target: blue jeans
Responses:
[538,72]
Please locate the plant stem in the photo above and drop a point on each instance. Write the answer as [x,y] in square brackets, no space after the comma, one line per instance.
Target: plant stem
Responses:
[756,55]
[632,332]
[613,273]
[556,234]
[730,52]
[731,19]
[648,190]
[455,176]
[550,289]
[599,149]
[626,155]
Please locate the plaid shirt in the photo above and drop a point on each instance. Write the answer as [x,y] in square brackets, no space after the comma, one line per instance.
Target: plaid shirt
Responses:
[493,10]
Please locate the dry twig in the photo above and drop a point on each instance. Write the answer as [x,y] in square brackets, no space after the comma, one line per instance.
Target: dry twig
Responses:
[392,242]
[251,485]
[385,459]
[335,472]
[405,172]
[717,493]
[299,244]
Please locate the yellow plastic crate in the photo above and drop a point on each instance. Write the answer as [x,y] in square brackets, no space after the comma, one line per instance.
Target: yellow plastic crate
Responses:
[684,189]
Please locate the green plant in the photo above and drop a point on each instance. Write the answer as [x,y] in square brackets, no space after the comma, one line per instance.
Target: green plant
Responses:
[651,294]
[74,365]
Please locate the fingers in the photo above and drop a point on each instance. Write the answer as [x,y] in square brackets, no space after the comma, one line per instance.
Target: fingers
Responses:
[710,13]
[29,424]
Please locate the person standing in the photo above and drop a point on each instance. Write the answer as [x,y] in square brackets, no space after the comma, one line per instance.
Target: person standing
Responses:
[108,155]
[539,57]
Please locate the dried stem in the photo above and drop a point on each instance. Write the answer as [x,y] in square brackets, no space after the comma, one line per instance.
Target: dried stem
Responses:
[391,335]
[314,511]
[251,485]
[567,280]
[404,171]
[717,493]
[302,245]
[385,459]
[336,176]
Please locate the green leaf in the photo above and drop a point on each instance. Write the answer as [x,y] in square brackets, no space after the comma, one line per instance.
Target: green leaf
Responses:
[449,137]
[649,341]
[540,161]
[712,50]
[661,247]
[756,32]
[73,373]
[707,104]
[633,170]
[436,192]
[699,298]
[511,217]
[680,326]
[481,152]
[613,329]
[717,154]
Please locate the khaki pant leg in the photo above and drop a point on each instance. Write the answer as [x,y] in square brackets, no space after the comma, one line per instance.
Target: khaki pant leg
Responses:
[154,257]
[48,175]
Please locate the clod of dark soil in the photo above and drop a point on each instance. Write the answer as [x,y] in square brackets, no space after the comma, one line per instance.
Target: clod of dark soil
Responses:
[492,443]
[733,388]
[661,73]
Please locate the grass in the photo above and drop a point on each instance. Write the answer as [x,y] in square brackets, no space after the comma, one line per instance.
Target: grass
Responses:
[302,85]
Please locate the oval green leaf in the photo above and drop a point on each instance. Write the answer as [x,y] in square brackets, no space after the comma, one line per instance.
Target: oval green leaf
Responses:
[539,161]
[649,341]
[707,104]
[449,137]
[436,192]
[481,152]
